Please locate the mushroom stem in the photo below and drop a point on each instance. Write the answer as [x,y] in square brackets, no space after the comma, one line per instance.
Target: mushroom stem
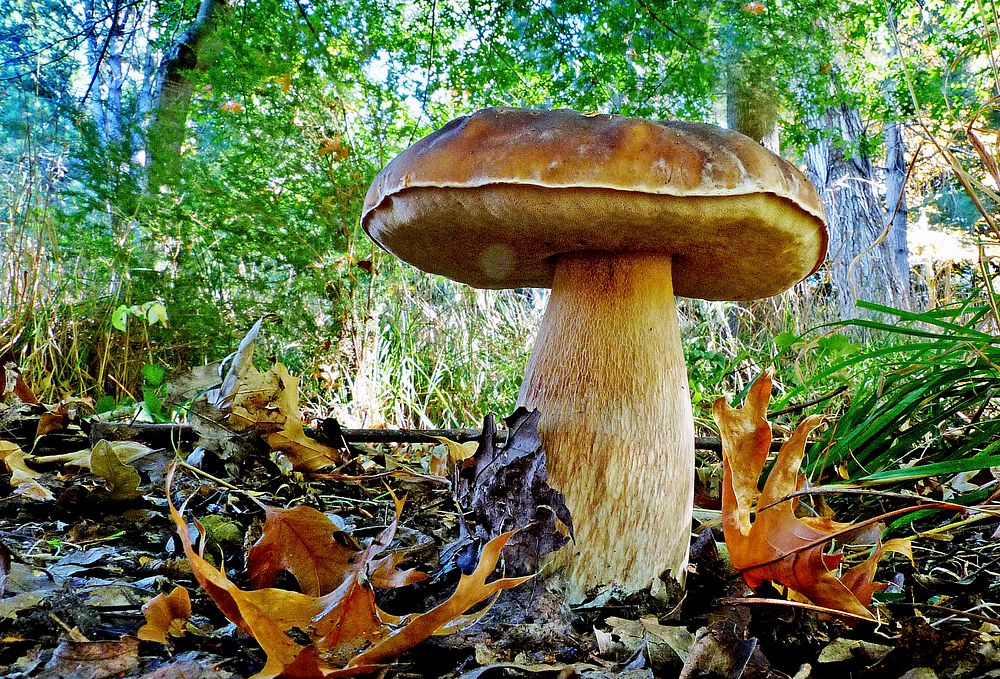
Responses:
[608,375]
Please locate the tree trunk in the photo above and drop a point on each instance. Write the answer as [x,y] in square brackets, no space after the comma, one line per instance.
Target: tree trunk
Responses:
[751,102]
[863,265]
[895,204]
[173,90]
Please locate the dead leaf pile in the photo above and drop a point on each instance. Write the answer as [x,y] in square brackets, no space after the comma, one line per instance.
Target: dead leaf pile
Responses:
[336,610]
[778,545]
[267,403]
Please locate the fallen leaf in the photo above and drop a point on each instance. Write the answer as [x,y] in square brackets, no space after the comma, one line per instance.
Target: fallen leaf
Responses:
[842,649]
[458,452]
[776,545]
[193,666]
[268,403]
[94,659]
[506,486]
[305,453]
[126,451]
[12,605]
[663,644]
[347,633]
[122,480]
[11,381]
[450,615]
[53,420]
[302,542]
[166,616]
[22,477]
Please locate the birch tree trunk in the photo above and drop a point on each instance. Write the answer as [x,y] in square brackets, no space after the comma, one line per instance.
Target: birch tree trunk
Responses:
[862,267]
[171,96]
[895,204]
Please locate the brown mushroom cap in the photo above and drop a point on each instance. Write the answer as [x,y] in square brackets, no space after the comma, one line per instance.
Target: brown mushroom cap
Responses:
[492,198]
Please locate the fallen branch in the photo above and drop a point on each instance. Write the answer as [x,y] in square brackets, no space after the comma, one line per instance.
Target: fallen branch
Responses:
[329,431]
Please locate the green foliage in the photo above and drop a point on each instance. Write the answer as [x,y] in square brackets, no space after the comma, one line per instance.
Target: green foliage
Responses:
[295,109]
[920,396]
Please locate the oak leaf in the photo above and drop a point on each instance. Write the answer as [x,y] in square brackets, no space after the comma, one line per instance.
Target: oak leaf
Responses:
[268,403]
[304,542]
[304,452]
[347,632]
[778,545]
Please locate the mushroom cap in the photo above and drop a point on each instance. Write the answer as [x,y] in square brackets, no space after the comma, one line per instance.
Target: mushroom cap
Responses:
[493,198]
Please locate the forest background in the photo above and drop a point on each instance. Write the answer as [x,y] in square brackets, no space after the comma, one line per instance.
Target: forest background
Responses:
[170,171]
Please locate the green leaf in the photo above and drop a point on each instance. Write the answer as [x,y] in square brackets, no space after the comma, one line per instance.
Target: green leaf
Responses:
[151,400]
[119,319]
[153,374]
[105,404]
[155,313]
[785,339]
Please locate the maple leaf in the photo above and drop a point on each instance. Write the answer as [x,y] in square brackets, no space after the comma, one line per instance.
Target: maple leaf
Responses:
[777,545]
[166,615]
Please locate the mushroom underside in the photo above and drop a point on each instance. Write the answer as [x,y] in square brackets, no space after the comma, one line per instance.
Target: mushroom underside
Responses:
[510,235]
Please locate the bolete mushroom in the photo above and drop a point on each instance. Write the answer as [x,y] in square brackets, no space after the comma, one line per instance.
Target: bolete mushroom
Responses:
[616,215]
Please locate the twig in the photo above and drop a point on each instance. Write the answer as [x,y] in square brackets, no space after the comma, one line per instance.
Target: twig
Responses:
[802,406]
[753,601]
[184,431]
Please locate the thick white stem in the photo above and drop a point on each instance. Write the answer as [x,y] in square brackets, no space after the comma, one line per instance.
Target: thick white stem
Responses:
[608,376]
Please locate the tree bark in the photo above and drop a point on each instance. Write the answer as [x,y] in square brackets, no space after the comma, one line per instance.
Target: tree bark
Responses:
[895,204]
[863,265]
[173,91]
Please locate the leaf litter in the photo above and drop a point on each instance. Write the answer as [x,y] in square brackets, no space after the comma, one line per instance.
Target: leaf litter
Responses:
[329,574]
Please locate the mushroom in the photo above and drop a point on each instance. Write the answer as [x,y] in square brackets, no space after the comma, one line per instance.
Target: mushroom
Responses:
[617,215]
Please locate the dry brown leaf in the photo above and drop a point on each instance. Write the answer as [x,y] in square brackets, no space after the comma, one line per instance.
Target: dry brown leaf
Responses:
[53,420]
[166,615]
[268,403]
[94,659]
[305,453]
[22,477]
[126,451]
[303,541]
[11,381]
[450,615]
[122,480]
[778,545]
[348,633]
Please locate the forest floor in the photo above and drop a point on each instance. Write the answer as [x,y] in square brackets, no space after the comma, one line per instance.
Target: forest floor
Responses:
[80,556]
